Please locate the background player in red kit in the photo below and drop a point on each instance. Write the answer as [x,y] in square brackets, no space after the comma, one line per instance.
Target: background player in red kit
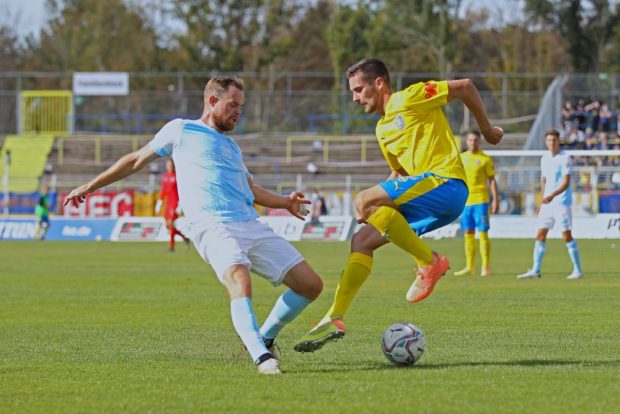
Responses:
[169,196]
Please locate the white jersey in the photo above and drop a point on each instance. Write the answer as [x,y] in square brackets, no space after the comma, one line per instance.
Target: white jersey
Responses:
[211,176]
[554,169]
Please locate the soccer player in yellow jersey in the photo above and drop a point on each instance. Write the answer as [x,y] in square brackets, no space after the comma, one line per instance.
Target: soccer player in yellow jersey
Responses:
[426,189]
[480,171]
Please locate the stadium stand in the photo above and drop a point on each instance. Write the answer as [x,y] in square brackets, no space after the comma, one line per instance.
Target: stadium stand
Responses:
[29,156]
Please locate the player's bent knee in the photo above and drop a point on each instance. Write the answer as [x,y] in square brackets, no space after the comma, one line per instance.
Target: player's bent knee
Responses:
[237,282]
[314,290]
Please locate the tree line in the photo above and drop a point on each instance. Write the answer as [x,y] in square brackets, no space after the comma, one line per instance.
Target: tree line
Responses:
[435,36]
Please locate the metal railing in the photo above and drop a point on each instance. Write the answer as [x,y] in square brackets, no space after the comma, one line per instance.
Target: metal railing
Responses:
[97,141]
[325,141]
[290,101]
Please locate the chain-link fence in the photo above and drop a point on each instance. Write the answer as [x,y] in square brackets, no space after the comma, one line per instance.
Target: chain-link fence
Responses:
[276,101]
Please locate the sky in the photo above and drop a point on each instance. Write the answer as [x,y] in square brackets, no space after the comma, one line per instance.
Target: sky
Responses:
[29,15]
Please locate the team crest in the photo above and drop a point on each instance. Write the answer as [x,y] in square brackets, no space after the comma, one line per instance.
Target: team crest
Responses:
[399,122]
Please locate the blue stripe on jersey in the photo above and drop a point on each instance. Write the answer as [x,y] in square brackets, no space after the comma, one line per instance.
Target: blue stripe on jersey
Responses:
[213,181]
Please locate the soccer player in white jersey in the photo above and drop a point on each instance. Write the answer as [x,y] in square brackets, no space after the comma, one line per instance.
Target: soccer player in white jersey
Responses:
[217,194]
[556,206]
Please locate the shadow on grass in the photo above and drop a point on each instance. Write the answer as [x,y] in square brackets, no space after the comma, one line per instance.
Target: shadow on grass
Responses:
[386,366]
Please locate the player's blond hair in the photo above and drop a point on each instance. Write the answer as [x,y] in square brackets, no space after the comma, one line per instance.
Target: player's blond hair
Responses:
[218,85]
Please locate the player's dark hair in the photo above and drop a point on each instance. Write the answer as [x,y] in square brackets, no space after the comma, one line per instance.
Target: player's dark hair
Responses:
[475,132]
[553,132]
[218,85]
[371,69]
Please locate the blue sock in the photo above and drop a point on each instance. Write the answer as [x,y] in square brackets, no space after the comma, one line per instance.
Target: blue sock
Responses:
[245,324]
[539,253]
[287,307]
[573,252]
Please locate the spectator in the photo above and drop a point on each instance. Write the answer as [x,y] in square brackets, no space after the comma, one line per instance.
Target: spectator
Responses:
[605,117]
[319,208]
[593,120]
[603,141]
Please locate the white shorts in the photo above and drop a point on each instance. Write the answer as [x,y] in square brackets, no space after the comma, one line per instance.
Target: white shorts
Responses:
[550,213]
[250,243]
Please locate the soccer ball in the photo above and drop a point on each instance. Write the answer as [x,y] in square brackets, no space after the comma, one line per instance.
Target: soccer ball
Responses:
[403,343]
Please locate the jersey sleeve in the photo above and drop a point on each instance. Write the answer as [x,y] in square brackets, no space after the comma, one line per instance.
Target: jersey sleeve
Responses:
[426,96]
[567,166]
[248,174]
[167,138]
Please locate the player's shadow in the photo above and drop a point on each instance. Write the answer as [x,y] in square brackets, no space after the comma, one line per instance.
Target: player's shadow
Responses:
[385,366]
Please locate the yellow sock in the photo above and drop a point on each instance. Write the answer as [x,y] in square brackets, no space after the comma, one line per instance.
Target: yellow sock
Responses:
[470,250]
[353,277]
[485,249]
[393,226]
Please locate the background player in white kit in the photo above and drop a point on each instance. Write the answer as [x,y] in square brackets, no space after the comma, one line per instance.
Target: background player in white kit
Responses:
[217,193]
[556,206]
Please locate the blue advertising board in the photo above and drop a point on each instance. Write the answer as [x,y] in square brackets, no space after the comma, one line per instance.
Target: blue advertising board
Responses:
[24,203]
[66,229]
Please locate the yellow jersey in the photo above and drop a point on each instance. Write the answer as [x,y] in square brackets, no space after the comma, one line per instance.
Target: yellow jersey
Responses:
[478,167]
[415,134]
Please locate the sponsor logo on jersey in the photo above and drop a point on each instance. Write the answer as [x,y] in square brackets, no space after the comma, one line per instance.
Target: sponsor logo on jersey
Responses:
[431,89]
[399,122]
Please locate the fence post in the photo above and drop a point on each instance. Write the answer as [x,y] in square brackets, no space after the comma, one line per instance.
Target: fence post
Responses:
[98,151]
[18,97]
[504,96]
[325,149]
[289,149]
[299,183]
[363,149]
[5,182]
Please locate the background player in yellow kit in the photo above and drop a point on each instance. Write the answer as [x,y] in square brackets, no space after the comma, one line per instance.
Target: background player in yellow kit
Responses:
[480,171]
[425,191]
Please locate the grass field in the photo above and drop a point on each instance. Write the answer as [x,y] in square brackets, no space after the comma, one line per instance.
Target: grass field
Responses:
[116,328]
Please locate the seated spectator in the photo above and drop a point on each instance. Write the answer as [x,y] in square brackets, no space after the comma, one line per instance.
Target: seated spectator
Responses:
[591,140]
[603,142]
[568,112]
[593,117]
[605,118]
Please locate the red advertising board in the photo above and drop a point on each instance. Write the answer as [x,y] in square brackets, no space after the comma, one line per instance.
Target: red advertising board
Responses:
[102,204]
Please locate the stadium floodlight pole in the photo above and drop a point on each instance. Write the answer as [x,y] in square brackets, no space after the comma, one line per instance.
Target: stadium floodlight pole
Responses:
[5,181]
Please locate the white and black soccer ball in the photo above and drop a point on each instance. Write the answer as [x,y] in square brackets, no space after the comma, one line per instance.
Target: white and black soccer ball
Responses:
[403,343]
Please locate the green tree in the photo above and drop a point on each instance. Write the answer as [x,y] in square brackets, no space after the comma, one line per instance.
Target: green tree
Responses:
[9,49]
[93,35]
[416,35]
[235,35]
[586,26]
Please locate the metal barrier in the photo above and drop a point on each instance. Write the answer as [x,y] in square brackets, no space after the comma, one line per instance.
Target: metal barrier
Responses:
[346,120]
[46,112]
[325,142]
[96,140]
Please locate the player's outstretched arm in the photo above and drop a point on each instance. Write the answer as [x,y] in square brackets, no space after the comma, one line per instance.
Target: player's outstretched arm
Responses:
[124,167]
[466,91]
[293,203]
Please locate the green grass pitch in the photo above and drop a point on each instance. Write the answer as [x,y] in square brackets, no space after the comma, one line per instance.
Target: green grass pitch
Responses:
[122,327]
